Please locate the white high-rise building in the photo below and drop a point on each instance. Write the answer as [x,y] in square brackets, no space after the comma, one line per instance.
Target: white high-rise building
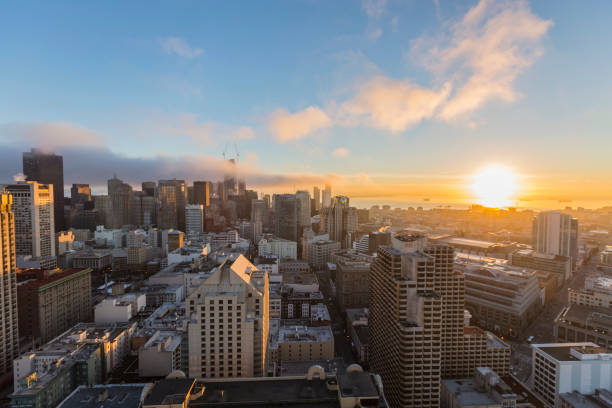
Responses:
[555,233]
[34,222]
[228,332]
[194,219]
[9,337]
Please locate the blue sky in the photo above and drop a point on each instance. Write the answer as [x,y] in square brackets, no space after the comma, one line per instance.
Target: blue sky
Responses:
[368,93]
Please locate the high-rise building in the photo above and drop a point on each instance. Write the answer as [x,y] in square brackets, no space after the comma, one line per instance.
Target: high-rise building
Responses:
[326,196]
[230,179]
[201,193]
[303,208]
[103,206]
[228,333]
[80,194]
[194,219]
[316,195]
[148,188]
[34,224]
[340,221]
[171,200]
[286,214]
[48,168]
[9,336]
[417,333]
[50,302]
[555,233]
[121,199]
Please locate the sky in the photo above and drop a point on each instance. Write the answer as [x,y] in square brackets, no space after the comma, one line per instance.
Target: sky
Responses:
[387,100]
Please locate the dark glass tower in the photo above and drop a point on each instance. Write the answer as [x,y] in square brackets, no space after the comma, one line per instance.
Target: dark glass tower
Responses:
[48,168]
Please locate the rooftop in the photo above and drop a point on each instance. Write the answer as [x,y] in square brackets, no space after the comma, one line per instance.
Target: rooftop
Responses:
[574,351]
[304,333]
[106,396]
[170,391]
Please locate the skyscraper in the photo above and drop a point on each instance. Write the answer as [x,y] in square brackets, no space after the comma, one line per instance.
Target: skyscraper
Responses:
[80,194]
[326,197]
[201,193]
[121,200]
[417,331]
[286,216]
[194,219]
[171,200]
[339,220]
[303,208]
[316,195]
[9,336]
[228,334]
[33,213]
[555,233]
[48,168]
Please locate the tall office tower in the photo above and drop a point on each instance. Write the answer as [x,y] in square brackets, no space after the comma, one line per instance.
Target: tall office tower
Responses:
[268,200]
[34,224]
[201,193]
[194,219]
[259,211]
[103,206]
[80,194]
[148,188]
[340,221]
[171,200]
[228,332]
[405,323]
[230,180]
[417,333]
[121,199]
[48,168]
[326,196]
[316,194]
[286,216]
[241,186]
[555,233]
[9,336]
[303,208]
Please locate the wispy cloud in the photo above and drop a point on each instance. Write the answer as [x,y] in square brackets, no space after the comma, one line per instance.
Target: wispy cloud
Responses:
[484,52]
[340,152]
[475,59]
[392,105]
[375,33]
[180,47]
[374,8]
[48,135]
[287,126]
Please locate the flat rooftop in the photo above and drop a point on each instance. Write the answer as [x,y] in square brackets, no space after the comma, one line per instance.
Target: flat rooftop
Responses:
[106,396]
[573,351]
[288,334]
[170,391]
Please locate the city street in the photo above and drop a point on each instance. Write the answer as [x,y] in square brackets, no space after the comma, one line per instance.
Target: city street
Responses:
[542,327]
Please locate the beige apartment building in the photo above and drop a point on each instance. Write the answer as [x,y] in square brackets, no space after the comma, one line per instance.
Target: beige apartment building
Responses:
[228,332]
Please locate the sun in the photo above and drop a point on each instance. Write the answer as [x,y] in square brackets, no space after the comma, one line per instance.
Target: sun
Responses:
[495,186]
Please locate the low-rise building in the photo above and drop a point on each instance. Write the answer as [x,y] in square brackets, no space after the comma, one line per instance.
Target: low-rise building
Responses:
[161,354]
[320,252]
[279,247]
[500,297]
[353,388]
[96,260]
[599,399]
[559,368]
[597,292]
[119,309]
[561,266]
[578,323]
[352,279]
[487,390]
[107,396]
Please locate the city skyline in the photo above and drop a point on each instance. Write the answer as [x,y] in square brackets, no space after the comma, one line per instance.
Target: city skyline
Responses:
[390,102]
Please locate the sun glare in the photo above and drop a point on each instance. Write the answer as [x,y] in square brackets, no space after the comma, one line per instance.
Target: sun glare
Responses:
[494,186]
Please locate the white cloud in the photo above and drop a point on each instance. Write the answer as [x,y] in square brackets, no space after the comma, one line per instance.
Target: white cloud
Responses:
[340,152]
[475,59]
[392,105]
[287,126]
[242,133]
[180,47]
[374,8]
[483,53]
[375,34]
[48,135]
